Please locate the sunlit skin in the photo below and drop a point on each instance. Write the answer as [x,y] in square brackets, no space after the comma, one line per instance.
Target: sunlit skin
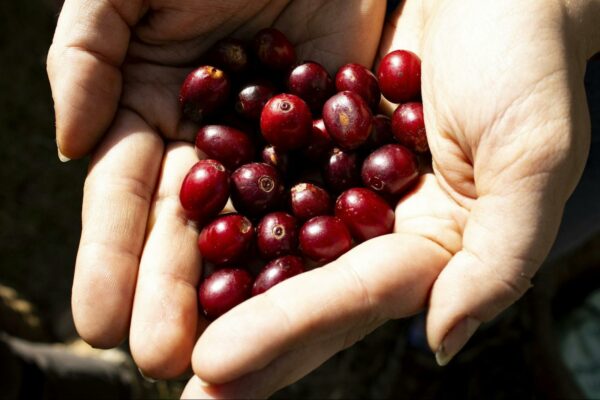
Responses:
[507,125]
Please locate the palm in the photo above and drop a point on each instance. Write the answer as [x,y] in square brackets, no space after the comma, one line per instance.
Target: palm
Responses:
[468,239]
[137,266]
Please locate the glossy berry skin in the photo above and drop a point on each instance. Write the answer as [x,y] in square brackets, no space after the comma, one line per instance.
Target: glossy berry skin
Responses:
[408,126]
[341,170]
[286,122]
[230,146]
[276,158]
[277,271]
[204,91]
[390,170]
[399,75]
[205,190]
[311,82]
[365,213]
[277,235]
[251,99]
[348,119]
[230,55]
[223,290]
[273,50]
[319,142]
[226,239]
[324,238]
[256,188]
[381,133]
[308,200]
[358,79]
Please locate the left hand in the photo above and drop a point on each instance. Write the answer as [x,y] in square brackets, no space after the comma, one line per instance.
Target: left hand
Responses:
[508,129]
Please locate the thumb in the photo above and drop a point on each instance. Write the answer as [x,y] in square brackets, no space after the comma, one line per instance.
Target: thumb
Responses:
[84,60]
[505,239]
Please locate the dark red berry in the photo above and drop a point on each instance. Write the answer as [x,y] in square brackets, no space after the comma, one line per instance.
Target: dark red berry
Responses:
[381,133]
[223,290]
[226,239]
[274,50]
[276,158]
[252,98]
[311,82]
[365,213]
[408,126]
[319,142]
[230,55]
[226,144]
[390,170]
[277,235]
[286,122]
[358,79]
[277,271]
[205,190]
[256,188]
[324,238]
[203,92]
[348,119]
[341,170]
[399,76]
[308,200]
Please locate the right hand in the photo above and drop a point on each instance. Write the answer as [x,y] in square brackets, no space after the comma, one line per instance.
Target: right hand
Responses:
[115,69]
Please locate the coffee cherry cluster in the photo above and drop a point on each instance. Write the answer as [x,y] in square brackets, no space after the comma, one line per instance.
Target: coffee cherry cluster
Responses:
[282,141]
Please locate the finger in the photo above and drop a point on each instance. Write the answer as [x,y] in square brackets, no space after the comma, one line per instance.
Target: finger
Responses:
[355,292]
[84,60]
[505,240]
[116,201]
[165,312]
[281,372]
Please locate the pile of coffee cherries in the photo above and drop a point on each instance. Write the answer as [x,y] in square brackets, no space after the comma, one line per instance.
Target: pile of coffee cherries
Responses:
[282,141]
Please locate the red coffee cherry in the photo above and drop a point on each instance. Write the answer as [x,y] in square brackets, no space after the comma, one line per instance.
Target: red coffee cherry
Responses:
[203,92]
[277,271]
[408,126]
[286,122]
[230,146]
[226,239]
[390,170]
[223,290]
[324,238]
[399,76]
[366,214]
[204,190]
[348,119]
[358,79]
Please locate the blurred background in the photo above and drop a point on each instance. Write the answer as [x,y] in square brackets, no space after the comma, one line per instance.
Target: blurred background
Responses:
[546,346]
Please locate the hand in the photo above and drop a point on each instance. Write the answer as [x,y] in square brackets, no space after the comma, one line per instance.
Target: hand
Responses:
[508,129]
[116,67]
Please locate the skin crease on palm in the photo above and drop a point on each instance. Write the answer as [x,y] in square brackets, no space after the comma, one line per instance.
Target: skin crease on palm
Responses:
[508,128]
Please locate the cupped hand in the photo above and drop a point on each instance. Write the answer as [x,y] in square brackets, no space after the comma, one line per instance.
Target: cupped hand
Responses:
[115,69]
[507,123]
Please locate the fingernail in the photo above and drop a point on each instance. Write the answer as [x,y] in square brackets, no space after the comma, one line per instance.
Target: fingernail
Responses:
[146,378]
[456,339]
[61,156]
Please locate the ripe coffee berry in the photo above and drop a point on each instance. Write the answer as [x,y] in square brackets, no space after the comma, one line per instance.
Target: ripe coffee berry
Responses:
[203,92]
[228,145]
[274,50]
[365,213]
[319,142]
[324,238]
[230,55]
[399,76]
[205,190]
[286,122]
[341,170]
[277,235]
[390,170]
[256,188]
[408,126]
[311,82]
[252,97]
[347,118]
[223,290]
[277,271]
[358,79]
[309,200]
[226,239]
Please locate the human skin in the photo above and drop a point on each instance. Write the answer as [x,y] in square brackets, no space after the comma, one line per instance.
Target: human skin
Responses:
[508,129]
